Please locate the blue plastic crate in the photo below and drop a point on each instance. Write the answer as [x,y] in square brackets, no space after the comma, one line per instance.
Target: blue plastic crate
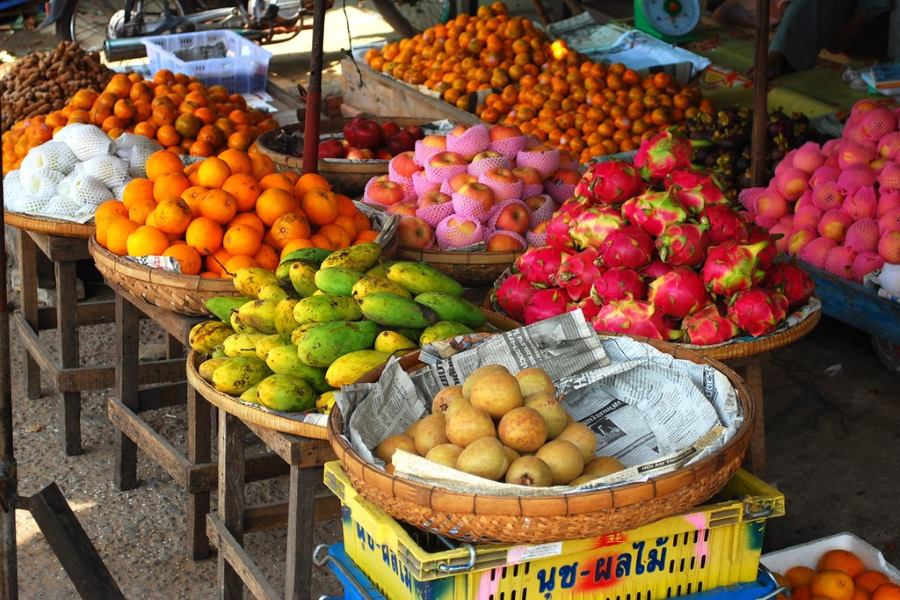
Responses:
[356,585]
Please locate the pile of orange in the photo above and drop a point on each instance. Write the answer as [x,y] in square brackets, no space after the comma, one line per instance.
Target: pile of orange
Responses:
[547,89]
[179,112]
[839,575]
[225,213]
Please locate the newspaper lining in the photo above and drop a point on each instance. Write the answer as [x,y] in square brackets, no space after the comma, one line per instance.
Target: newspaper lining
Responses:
[653,412]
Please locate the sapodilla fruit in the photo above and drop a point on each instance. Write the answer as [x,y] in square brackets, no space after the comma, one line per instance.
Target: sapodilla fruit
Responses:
[534,380]
[444,397]
[582,437]
[430,432]
[603,466]
[385,450]
[484,457]
[530,471]
[564,459]
[467,424]
[496,392]
[467,383]
[551,410]
[444,454]
[522,429]
[839,261]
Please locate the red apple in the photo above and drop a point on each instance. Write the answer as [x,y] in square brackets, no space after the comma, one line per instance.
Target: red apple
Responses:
[415,131]
[528,175]
[331,148]
[435,141]
[480,193]
[363,133]
[503,243]
[360,154]
[567,176]
[405,164]
[459,180]
[383,154]
[385,192]
[501,132]
[458,231]
[501,175]
[535,202]
[445,159]
[400,142]
[458,130]
[402,208]
[514,217]
[540,228]
[433,199]
[486,154]
[389,128]
[414,232]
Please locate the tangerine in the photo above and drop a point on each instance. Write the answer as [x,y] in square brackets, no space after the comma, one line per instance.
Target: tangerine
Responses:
[236,263]
[799,575]
[218,205]
[140,209]
[276,180]
[308,182]
[248,218]
[188,259]
[289,226]
[266,257]
[832,584]
[320,206]
[170,187]
[193,195]
[237,161]
[348,224]
[161,163]
[870,580]
[173,216]
[213,172]
[320,241]
[109,210]
[368,235]
[841,560]
[295,245]
[345,205]
[244,188]
[147,241]
[886,591]
[336,234]
[273,203]
[215,262]
[262,165]
[199,148]
[204,235]
[242,239]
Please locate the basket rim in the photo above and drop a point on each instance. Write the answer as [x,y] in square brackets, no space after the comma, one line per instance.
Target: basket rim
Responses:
[448,257]
[574,503]
[48,225]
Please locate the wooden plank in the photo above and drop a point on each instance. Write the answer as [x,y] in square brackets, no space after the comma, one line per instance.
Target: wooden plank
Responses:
[59,249]
[257,468]
[30,311]
[232,553]
[275,516]
[162,396]
[92,312]
[199,450]
[295,450]
[298,565]
[126,389]
[231,504]
[32,344]
[178,326]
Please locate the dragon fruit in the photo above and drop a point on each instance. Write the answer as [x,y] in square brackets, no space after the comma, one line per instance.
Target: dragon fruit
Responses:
[577,273]
[663,153]
[730,267]
[694,191]
[656,268]
[591,227]
[590,307]
[758,311]
[627,247]
[609,182]
[540,265]
[545,304]
[632,317]
[768,254]
[683,244]
[561,223]
[678,293]
[654,211]
[708,326]
[792,281]
[514,294]
[618,284]
[724,224]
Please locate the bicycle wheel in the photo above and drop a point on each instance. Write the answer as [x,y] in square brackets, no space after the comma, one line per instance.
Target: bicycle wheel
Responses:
[90,22]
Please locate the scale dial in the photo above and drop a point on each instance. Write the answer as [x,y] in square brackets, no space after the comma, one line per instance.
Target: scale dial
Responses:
[672,17]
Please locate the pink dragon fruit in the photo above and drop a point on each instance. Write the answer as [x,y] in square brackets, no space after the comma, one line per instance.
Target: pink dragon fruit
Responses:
[815,251]
[618,284]
[768,254]
[730,267]
[758,311]
[865,263]
[862,236]
[792,281]
[590,307]
[694,191]
[545,304]
[627,247]
[683,244]
[839,261]
[561,223]
[662,154]
[654,211]
[591,227]
[724,224]
[540,265]
[609,182]
[678,293]
[632,317]
[577,273]
[514,294]
[708,326]
[656,268]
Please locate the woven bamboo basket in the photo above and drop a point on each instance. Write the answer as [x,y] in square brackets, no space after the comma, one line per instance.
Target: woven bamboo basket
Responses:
[48,225]
[534,520]
[475,269]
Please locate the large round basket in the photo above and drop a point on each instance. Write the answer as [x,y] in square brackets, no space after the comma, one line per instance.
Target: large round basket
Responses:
[182,294]
[474,269]
[48,225]
[533,520]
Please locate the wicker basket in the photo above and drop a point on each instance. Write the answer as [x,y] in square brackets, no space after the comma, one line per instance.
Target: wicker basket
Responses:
[490,519]
[474,269]
[48,225]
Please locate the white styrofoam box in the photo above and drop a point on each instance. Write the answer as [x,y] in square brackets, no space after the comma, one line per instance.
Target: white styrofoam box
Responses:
[808,554]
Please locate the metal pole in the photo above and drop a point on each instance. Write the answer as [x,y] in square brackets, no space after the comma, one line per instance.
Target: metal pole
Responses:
[760,91]
[314,98]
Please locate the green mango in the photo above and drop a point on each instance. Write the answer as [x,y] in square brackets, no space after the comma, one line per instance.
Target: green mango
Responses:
[360,257]
[391,341]
[326,308]
[272,291]
[259,315]
[266,343]
[310,255]
[442,330]
[284,360]
[223,306]
[350,367]
[208,367]
[299,332]
[219,352]
[284,316]
[249,281]
[337,280]
[236,375]
[323,343]
[452,308]
[238,325]
[241,344]
[379,270]
[283,275]
[392,310]
[249,395]
[419,278]
[303,277]
[370,285]
[409,333]
[286,393]
[206,336]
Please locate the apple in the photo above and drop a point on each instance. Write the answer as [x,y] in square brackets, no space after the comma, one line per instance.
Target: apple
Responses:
[535,202]
[459,180]
[514,217]
[433,199]
[540,228]
[435,141]
[385,192]
[528,175]
[480,193]
[415,131]
[502,132]
[331,148]
[404,164]
[458,130]
[383,154]
[501,242]
[486,154]
[389,128]
[446,159]
[360,154]
[400,142]
[567,160]
[402,208]
[363,133]
[501,175]
[566,176]
[457,231]
[414,232]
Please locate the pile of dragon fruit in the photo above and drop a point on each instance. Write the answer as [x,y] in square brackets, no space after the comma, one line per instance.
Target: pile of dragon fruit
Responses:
[655,250]
[837,207]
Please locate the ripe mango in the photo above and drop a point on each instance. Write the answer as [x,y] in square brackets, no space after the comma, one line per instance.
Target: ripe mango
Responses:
[285,393]
[272,291]
[337,280]
[350,367]
[419,278]
[303,278]
[266,343]
[250,280]
[369,284]
[236,375]
[324,402]
[323,343]
[238,325]
[299,332]
[284,316]
[392,310]
[241,344]
[379,270]
[391,341]
[442,330]
[360,257]
[208,335]
[452,308]
[282,273]
[325,308]
[259,315]
[249,395]
[208,367]
[284,360]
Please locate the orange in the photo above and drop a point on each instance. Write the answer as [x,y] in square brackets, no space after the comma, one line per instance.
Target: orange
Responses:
[204,235]
[362,222]
[193,195]
[319,205]
[345,205]
[167,136]
[289,226]
[235,263]
[348,224]
[162,162]
[199,148]
[248,218]
[242,239]
[188,125]
[188,258]
[832,584]
[240,140]
[368,235]
[320,241]
[210,275]
[860,594]
[237,161]
[173,216]
[244,188]
[266,257]
[213,172]
[277,180]
[336,234]
[147,241]
[109,210]
[140,209]
[215,262]
[219,206]
[886,591]
[211,134]
[841,560]
[799,575]
[801,593]
[870,580]
[295,245]
[145,129]
[273,203]
[170,187]
[262,165]
[124,109]
[310,181]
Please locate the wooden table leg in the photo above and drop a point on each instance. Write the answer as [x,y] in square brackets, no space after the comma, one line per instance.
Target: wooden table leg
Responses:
[127,351]
[753,376]
[29,301]
[67,327]
[301,505]
[231,498]
[199,450]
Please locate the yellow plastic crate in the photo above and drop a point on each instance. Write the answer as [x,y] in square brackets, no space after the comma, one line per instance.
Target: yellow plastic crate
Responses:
[717,544]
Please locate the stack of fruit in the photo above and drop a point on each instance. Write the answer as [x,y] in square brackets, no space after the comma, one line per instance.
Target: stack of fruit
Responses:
[548,90]
[363,139]
[839,575]
[655,250]
[837,207]
[321,320]
[505,428]
[225,213]
[475,185]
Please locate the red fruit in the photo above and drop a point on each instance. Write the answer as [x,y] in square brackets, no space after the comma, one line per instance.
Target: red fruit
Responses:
[695,191]
[724,223]
[590,307]
[654,211]
[363,133]
[540,265]
[632,317]
[708,326]
[731,267]
[514,294]
[656,268]
[619,284]
[678,293]
[792,281]
[758,311]
[591,227]
[331,148]
[683,244]
[627,247]
[400,142]
[389,128]
[415,131]
[545,304]
[663,153]
[577,273]
[609,182]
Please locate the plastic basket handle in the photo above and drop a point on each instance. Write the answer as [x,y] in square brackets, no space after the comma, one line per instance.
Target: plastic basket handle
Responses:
[321,557]
[450,569]
[779,589]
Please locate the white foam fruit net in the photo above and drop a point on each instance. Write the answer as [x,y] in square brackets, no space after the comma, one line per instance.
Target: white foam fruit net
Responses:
[50,155]
[127,141]
[13,192]
[85,141]
[85,190]
[109,170]
[137,160]
[41,183]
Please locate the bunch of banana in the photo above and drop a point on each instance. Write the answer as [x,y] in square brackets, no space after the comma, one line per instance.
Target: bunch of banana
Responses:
[322,320]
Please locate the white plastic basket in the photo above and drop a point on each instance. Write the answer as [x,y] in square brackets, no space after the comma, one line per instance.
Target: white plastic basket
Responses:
[243,68]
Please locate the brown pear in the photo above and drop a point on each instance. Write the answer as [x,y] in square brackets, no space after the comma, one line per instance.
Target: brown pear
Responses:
[485,458]
[582,479]
[563,458]
[467,423]
[582,436]
[535,380]
[444,397]
[411,430]
[553,413]
[494,391]
[529,470]
[522,429]
[511,455]
[385,450]
[467,384]
[430,433]
[603,466]
[444,454]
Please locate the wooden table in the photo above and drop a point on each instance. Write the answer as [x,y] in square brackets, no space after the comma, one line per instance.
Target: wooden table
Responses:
[750,370]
